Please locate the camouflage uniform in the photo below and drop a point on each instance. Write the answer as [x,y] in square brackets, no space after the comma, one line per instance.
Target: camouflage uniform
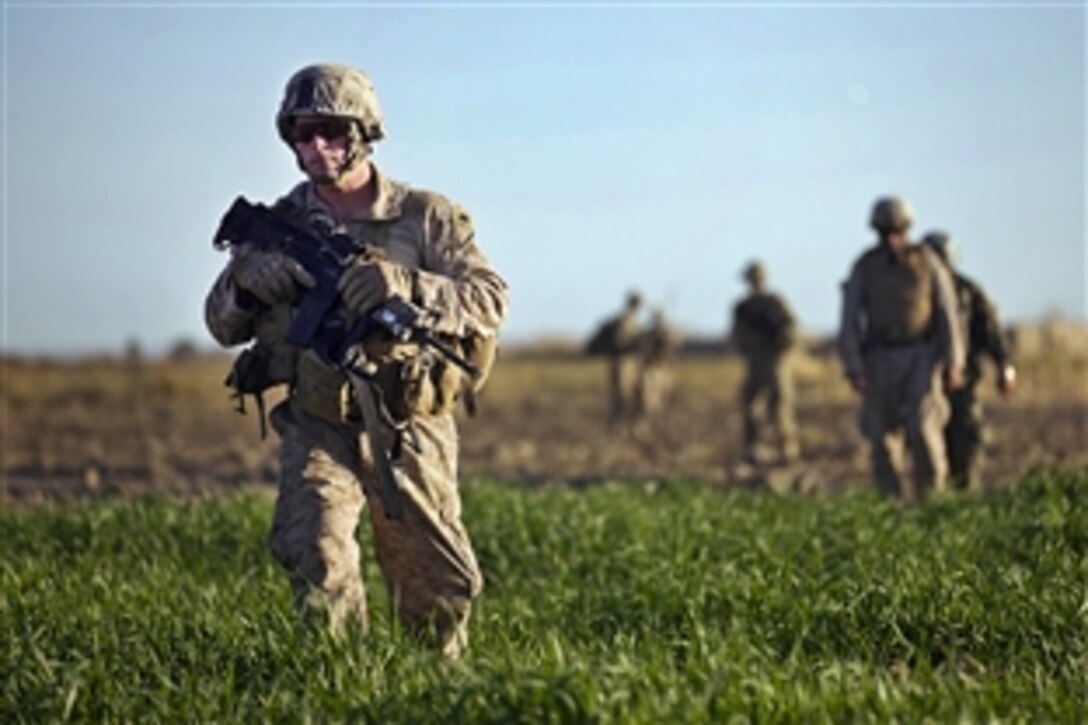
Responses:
[899,333]
[965,432]
[764,331]
[619,339]
[658,345]
[327,470]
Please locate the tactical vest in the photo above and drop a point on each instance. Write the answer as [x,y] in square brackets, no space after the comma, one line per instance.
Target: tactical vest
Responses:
[897,296]
[764,325]
[411,380]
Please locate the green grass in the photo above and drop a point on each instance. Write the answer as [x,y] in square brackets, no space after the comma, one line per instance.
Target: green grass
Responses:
[633,604]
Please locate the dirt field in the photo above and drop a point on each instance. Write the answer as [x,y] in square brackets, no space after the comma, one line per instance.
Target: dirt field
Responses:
[112,426]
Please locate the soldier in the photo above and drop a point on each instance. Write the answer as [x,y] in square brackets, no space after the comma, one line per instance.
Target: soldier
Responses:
[658,345]
[764,331]
[329,118]
[899,336]
[619,338]
[965,432]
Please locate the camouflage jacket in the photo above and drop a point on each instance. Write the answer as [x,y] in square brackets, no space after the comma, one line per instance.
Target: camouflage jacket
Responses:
[418,229]
[616,337]
[433,235]
[984,335]
[892,299]
[763,326]
[659,344]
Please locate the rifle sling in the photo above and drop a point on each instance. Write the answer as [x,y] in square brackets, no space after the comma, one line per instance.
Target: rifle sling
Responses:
[388,489]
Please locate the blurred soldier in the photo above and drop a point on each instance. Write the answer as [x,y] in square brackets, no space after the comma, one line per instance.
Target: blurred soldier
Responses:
[900,334]
[658,345]
[965,432]
[765,333]
[619,339]
[329,118]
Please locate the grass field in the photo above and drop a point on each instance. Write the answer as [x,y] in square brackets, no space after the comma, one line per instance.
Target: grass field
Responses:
[656,603]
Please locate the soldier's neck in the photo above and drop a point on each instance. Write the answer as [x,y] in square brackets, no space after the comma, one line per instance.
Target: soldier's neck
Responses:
[351,196]
[896,244]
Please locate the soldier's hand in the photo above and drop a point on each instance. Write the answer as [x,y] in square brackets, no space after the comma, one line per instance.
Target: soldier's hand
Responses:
[270,276]
[1006,380]
[953,379]
[366,285]
[857,382]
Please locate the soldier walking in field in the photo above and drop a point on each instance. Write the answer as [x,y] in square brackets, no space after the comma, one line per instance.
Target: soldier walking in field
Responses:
[336,443]
[966,432]
[658,346]
[902,345]
[764,331]
[619,340]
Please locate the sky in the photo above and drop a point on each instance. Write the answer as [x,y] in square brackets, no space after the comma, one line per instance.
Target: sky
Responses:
[599,147]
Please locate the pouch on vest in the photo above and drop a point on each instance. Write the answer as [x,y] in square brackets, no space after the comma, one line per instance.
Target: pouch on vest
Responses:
[267,363]
[417,380]
[323,390]
[454,383]
[251,374]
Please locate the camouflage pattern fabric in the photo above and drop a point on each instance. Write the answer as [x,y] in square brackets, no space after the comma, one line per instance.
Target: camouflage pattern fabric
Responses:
[658,345]
[964,437]
[773,385]
[619,339]
[904,403]
[426,559]
[765,332]
[966,433]
[901,344]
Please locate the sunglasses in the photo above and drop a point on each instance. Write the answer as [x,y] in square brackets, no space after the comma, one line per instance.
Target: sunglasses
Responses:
[329,129]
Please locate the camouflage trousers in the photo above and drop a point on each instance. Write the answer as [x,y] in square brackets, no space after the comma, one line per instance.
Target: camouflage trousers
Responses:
[623,381]
[426,559]
[770,381]
[654,385]
[904,399]
[963,437]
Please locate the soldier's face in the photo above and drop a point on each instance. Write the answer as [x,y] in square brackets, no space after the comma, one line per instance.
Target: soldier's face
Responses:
[321,145]
[897,240]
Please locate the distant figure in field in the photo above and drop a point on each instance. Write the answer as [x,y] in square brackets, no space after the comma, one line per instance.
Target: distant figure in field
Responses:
[966,432]
[765,332]
[900,335]
[658,346]
[619,339]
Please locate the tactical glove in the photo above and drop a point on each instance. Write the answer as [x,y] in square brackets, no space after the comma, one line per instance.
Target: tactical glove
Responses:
[1006,379]
[368,284]
[271,277]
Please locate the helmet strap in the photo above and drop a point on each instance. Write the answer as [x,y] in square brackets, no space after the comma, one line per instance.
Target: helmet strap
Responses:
[358,150]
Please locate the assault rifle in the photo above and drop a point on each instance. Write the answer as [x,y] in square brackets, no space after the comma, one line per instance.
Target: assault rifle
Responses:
[318,324]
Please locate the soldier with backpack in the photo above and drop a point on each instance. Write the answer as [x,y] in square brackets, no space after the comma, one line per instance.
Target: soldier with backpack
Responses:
[902,346]
[658,347]
[966,430]
[619,340]
[764,331]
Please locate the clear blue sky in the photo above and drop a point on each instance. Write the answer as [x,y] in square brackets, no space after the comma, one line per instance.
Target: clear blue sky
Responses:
[598,148]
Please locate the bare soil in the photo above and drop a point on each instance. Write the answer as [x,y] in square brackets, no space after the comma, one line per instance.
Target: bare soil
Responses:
[104,427]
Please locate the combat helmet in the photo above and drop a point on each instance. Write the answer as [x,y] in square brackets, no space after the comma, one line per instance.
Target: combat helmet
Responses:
[754,273]
[891,214]
[335,90]
[941,243]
